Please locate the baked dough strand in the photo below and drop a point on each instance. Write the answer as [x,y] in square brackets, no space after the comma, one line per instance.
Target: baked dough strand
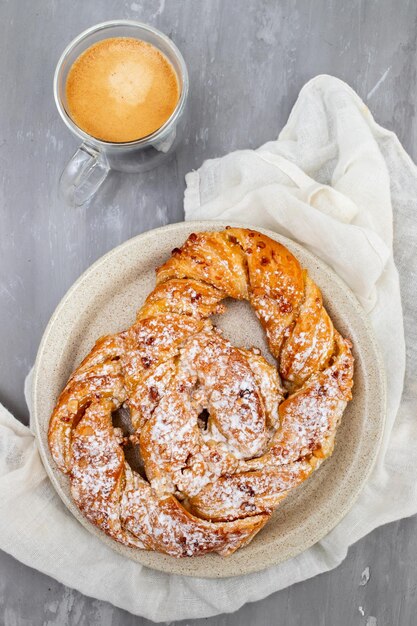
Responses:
[223,435]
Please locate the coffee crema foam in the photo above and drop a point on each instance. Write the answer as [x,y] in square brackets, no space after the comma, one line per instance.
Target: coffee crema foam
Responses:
[121,89]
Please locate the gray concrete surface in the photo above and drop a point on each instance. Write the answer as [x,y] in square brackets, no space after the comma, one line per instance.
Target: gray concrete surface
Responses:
[247,61]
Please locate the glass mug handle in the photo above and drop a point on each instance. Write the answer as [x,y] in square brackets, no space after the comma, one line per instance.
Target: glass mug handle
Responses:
[83,175]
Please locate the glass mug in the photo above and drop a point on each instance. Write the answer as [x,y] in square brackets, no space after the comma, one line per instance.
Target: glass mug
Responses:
[91,163]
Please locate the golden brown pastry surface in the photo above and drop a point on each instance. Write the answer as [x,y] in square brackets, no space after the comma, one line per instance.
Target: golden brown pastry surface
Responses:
[223,435]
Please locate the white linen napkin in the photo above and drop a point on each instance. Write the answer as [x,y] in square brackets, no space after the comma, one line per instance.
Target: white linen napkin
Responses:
[329,182]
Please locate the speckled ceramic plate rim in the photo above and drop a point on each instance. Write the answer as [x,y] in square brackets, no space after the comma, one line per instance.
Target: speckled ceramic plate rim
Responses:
[221,567]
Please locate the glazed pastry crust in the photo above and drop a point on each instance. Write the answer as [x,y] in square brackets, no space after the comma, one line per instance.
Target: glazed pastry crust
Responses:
[223,435]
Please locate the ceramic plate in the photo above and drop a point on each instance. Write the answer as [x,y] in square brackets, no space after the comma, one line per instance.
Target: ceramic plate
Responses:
[105,299]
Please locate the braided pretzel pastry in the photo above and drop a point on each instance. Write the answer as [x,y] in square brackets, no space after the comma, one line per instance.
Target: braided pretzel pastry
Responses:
[223,435]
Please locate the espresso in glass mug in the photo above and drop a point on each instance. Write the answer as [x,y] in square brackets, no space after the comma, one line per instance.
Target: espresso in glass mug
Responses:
[121,87]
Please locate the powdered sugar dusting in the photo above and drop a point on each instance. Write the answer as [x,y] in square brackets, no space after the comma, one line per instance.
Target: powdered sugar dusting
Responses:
[222,439]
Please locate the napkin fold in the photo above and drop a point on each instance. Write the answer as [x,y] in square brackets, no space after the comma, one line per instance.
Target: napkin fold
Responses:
[330,182]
